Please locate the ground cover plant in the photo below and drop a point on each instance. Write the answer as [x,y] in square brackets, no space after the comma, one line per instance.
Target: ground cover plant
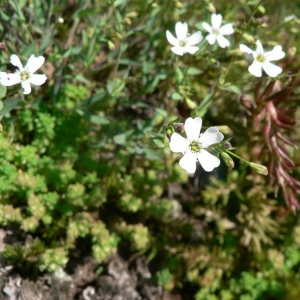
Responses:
[149,149]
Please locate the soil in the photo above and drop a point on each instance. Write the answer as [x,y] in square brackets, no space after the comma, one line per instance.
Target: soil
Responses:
[116,279]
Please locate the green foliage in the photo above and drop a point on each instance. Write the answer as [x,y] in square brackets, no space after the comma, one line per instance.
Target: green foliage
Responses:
[104,243]
[164,279]
[26,259]
[53,259]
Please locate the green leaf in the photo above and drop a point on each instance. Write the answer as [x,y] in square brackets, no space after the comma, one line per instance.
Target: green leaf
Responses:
[9,105]
[120,138]
[17,9]
[29,49]
[115,87]
[193,71]
[47,39]
[205,104]
[91,51]
[21,4]
[231,88]
[2,91]
[179,75]
[151,154]
[93,99]
[96,119]
[84,12]
[1,105]
[176,96]
[157,138]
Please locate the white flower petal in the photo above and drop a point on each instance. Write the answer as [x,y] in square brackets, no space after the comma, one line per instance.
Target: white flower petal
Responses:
[246,49]
[256,68]
[222,41]
[9,79]
[34,63]
[260,48]
[178,50]
[171,39]
[211,38]
[275,54]
[191,49]
[192,128]
[226,29]
[207,27]
[211,136]
[26,87]
[14,59]
[207,160]
[194,39]
[271,69]
[216,21]
[178,143]
[188,162]
[181,30]
[37,79]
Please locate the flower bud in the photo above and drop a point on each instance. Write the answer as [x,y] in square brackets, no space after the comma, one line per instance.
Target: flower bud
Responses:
[227,145]
[259,169]
[211,8]
[169,131]
[228,160]
[180,127]
[225,129]
[111,45]
[178,4]
[2,46]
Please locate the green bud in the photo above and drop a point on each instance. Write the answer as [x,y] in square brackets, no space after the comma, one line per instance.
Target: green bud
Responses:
[228,160]
[169,131]
[259,169]
[225,129]
[190,103]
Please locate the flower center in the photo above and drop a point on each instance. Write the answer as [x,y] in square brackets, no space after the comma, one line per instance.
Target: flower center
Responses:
[24,75]
[182,43]
[195,146]
[260,58]
[215,31]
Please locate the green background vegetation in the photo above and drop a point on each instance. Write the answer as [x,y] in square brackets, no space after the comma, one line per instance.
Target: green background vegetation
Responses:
[84,159]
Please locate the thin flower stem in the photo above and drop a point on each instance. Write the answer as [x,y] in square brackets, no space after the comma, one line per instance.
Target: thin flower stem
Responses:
[25,24]
[10,94]
[120,46]
[241,36]
[75,26]
[240,158]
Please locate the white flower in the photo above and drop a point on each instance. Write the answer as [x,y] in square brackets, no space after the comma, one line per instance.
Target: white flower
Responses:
[184,42]
[24,75]
[216,31]
[193,147]
[262,60]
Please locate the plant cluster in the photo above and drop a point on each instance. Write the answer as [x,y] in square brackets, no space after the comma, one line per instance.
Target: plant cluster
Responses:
[99,149]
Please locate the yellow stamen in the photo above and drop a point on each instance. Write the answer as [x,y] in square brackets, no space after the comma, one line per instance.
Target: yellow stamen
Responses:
[25,75]
[195,146]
